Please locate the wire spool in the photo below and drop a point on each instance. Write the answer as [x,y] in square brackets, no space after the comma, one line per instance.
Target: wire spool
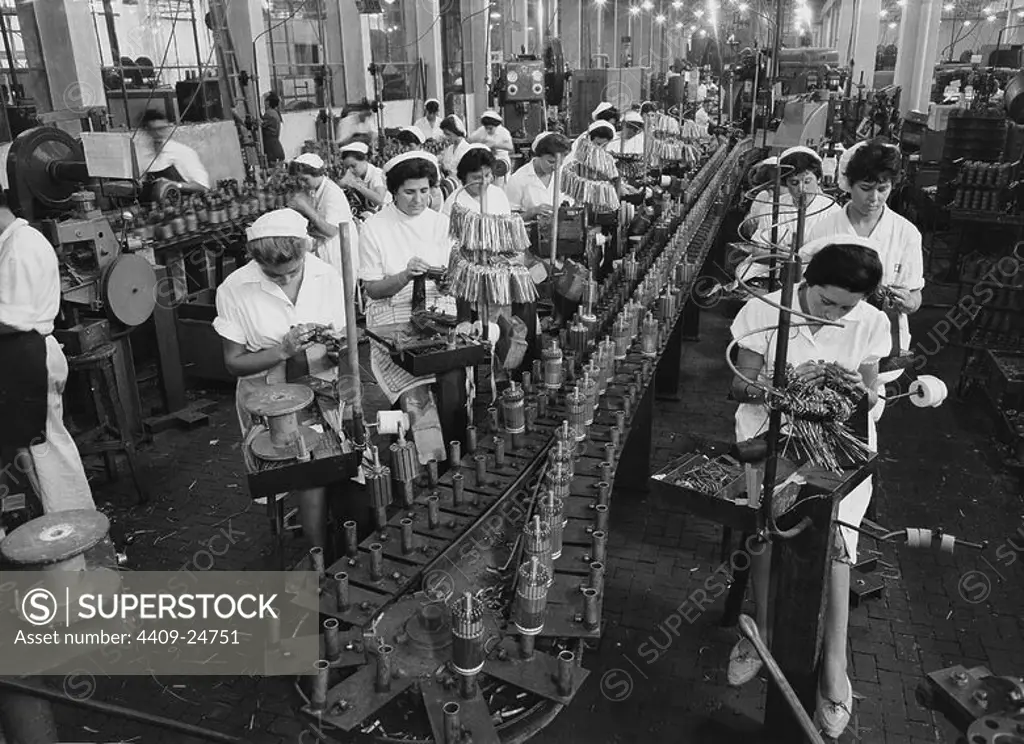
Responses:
[565,437]
[552,512]
[591,396]
[279,406]
[537,543]
[467,635]
[531,597]
[578,408]
[392,422]
[928,392]
[622,338]
[562,459]
[578,338]
[512,409]
[649,337]
[554,372]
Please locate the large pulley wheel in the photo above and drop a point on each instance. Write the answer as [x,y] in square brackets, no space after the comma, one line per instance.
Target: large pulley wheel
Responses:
[29,170]
[129,290]
[55,538]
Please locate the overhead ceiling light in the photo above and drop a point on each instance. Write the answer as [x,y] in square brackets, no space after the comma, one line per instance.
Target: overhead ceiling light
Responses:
[744,7]
[660,18]
[967,23]
[883,13]
[679,24]
[948,7]
[647,5]
[892,25]
[990,18]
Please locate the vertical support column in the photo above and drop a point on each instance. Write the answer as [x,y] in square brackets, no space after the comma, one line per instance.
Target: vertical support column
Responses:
[68,51]
[918,48]
[338,61]
[352,36]
[428,47]
[475,17]
[245,23]
[846,29]
[865,44]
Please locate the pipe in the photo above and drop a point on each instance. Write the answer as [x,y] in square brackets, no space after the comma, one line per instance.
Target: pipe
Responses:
[115,51]
[749,630]
[352,334]
[118,711]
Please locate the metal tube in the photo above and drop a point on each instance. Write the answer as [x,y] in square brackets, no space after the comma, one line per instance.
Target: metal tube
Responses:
[492,415]
[606,472]
[452,723]
[380,518]
[458,495]
[384,668]
[376,562]
[527,644]
[499,452]
[603,492]
[332,642]
[599,546]
[591,615]
[351,538]
[433,512]
[471,439]
[596,580]
[566,662]
[348,275]
[321,672]
[455,453]
[481,468]
[601,523]
[98,706]
[620,421]
[609,453]
[432,472]
[342,600]
[316,557]
[407,540]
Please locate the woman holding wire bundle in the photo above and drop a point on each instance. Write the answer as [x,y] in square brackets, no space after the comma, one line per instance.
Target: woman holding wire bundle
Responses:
[842,274]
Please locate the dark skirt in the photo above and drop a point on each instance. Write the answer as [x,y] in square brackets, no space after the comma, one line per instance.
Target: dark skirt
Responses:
[24,385]
[273,149]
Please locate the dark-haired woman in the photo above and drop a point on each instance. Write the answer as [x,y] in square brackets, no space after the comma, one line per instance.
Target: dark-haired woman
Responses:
[867,172]
[266,313]
[404,240]
[455,135]
[476,172]
[272,122]
[429,123]
[842,274]
[530,189]
[324,204]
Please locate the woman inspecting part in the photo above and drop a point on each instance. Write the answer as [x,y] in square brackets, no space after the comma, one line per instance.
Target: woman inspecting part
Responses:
[837,281]
[267,312]
[362,176]
[324,204]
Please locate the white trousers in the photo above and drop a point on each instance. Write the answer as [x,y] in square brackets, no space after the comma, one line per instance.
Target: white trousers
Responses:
[62,481]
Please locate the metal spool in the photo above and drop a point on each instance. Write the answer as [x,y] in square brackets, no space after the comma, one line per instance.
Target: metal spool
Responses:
[56,542]
[997,730]
[429,628]
[45,165]
[129,290]
[279,406]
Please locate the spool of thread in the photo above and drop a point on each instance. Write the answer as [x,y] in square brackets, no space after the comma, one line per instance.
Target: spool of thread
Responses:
[596,579]
[552,512]
[599,546]
[471,439]
[408,545]
[332,641]
[947,543]
[537,543]
[433,512]
[499,452]
[531,597]
[601,520]
[384,659]
[578,408]
[566,672]
[591,614]
[481,469]
[351,538]
[452,723]
[390,422]
[458,495]
[376,562]
[927,392]
[455,453]
[342,600]
[321,673]
[616,438]
[513,409]
[467,635]
[554,371]
[316,558]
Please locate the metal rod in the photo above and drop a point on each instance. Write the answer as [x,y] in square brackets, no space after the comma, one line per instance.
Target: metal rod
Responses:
[556,200]
[118,711]
[352,334]
[115,52]
[749,629]
[332,641]
[12,71]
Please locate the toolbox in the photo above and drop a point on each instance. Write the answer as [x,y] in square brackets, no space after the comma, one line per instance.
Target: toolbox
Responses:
[422,354]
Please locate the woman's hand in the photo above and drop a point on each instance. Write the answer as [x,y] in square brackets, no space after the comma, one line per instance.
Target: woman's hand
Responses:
[350,180]
[903,299]
[417,267]
[301,204]
[297,340]
[810,372]
[542,210]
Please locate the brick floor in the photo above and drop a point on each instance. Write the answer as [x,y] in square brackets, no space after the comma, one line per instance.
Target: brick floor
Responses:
[653,678]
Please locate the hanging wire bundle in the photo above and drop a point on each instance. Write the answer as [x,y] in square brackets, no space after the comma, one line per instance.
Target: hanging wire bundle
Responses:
[485,269]
[666,125]
[593,162]
[630,166]
[601,195]
[817,413]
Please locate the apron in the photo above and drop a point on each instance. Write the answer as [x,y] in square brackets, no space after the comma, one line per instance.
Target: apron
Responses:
[23,389]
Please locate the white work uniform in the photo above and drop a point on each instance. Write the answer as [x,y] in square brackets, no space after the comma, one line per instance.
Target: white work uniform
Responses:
[525,189]
[451,155]
[430,131]
[255,312]
[354,125]
[29,301]
[497,202]
[332,206]
[390,239]
[898,244]
[863,337]
[374,178]
[184,159]
[702,118]
[820,208]
[500,142]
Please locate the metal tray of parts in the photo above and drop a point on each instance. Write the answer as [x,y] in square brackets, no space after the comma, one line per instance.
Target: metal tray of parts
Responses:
[420,355]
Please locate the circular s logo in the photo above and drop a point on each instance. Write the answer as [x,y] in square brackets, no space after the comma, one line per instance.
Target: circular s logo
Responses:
[39,606]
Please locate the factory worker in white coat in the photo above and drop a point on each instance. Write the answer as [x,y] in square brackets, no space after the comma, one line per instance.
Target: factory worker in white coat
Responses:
[455,135]
[531,189]
[493,133]
[801,174]
[168,158]
[631,139]
[402,241]
[603,112]
[867,172]
[32,388]
[266,313]
[430,123]
[836,284]
[325,205]
[476,171]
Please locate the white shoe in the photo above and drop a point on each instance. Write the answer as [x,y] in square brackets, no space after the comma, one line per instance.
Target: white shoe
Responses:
[744,663]
[833,717]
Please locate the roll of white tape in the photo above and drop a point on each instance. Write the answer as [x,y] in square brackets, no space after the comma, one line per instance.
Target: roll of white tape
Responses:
[666,181]
[926,392]
[925,536]
[912,537]
[947,543]
[388,421]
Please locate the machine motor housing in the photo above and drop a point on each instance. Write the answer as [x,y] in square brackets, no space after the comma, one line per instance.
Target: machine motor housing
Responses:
[524,81]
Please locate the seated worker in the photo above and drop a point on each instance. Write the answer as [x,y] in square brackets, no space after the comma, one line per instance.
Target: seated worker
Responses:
[325,205]
[403,241]
[603,112]
[455,135]
[362,176]
[701,116]
[476,172]
[492,133]
[33,373]
[631,140]
[530,190]
[409,138]
[430,123]
[359,126]
[266,313]
[171,159]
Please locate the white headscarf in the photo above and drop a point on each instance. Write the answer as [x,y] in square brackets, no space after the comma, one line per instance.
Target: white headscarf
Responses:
[281,223]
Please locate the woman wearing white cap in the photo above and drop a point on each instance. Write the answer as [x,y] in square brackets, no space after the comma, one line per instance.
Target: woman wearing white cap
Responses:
[410,138]
[493,133]
[867,172]
[604,112]
[476,172]
[530,190]
[266,313]
[401,242]
[801,174]
[362,176]
[430,123]
[632,133]
[325,206]
[455,135]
